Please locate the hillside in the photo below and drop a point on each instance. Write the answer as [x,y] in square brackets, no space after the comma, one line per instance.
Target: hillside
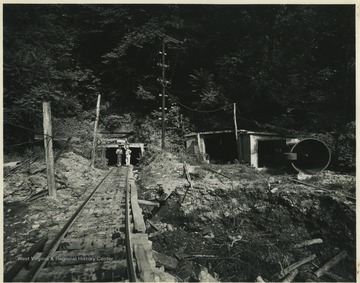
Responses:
[233,224]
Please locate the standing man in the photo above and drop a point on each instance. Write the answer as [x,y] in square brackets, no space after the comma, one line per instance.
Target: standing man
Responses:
[127,155]
[119,153]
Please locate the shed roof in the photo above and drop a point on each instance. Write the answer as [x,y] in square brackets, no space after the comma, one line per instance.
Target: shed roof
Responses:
[245,132]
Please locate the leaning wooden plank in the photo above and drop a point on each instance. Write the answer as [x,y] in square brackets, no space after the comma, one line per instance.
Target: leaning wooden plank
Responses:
[98,271]
[259,279]
[24,260]
[188,178]
[11,164]
[308,243]
[166,194]
[291,276]
[168,262]
[331,263]
[152,225]
[335,277]
[295,265]
[139,223]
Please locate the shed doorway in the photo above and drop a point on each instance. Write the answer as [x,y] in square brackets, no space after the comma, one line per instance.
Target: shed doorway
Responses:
[221,148]
[271,153]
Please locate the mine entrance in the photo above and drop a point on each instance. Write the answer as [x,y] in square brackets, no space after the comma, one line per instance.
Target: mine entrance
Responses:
[271,153]
[112,157]
[221,148]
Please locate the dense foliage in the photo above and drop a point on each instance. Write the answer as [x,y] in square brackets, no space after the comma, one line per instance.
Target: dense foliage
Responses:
[289,66]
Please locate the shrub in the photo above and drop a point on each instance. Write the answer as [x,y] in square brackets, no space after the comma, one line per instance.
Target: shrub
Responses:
[346,148]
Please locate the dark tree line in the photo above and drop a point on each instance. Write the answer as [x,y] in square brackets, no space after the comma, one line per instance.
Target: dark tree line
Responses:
[291,66]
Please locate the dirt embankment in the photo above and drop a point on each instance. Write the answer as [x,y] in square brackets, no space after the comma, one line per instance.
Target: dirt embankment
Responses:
[30,216]
[239,224]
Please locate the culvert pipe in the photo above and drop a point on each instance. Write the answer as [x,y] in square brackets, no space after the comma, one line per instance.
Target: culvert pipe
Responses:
[309,156]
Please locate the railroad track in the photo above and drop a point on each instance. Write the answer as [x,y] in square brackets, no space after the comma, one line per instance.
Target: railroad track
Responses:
[94,245]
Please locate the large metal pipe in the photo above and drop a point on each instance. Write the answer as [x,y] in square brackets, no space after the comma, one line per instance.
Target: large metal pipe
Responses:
[309,156]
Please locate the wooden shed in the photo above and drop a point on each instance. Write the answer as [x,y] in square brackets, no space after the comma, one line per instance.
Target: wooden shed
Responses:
[258,149]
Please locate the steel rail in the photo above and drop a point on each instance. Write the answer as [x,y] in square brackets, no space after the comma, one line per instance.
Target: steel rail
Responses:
[34,272]
[129,250]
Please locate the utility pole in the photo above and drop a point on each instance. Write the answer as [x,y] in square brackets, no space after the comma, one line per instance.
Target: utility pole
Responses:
[49,155]
[164,83]
[95,131]
[163,97]
[236,135]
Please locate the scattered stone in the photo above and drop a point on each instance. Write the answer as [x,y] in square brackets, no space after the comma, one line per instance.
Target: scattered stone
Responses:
[168,262]
[169,227]
[274,190]
[35,226]
[209,235]
[204,276]
[115,235]
[36,168]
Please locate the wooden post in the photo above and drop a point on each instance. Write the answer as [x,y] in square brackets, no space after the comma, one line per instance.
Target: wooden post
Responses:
[103,156]
[49,155]
[236,135]
[95,131]
[331,263]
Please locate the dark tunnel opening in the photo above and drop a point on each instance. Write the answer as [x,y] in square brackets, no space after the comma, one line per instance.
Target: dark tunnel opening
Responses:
[112,157]
[221,148]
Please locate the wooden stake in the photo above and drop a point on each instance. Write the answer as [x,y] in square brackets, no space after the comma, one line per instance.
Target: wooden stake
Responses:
[147,202]
[95,131]
[259,279]
[291,276]
[308,243]
[331,263]
[335,277]
[188,178]
[295,265]
[49,155]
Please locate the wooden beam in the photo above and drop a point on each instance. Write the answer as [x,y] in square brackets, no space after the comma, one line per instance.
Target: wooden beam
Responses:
[95,131]
[188,178]
[291,276]
[295,265]
[152,225]
[331,263]
[49,155]
[308,243]
[144,263]
[147,202]
[56,138]
[139,223]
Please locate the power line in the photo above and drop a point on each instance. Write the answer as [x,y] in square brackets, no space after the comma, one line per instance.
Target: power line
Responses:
[23,143]
[197,110]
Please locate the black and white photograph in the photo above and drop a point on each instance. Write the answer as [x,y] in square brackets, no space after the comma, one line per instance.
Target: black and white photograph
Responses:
[179,142]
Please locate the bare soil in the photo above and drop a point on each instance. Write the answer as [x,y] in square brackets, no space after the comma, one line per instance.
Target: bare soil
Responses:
[236,222]
[26,221]
[240,223]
